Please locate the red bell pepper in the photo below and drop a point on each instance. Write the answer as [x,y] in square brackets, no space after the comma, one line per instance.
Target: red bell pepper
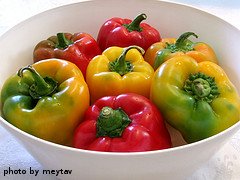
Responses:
[125,32]
[78,48]
[125,123]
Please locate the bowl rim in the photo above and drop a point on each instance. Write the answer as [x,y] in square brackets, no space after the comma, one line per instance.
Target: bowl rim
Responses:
[76,150]
[68,148]
[182,4]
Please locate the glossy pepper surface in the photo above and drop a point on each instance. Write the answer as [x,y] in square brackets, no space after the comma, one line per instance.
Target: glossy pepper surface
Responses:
[198,99]
[78,48]
[167,48]
[119,70]
[125,32]
[125,123]
[47,99]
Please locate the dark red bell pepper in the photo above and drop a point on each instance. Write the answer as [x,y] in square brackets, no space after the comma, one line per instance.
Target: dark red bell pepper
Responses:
[125,123]
[78,48]
[125,32]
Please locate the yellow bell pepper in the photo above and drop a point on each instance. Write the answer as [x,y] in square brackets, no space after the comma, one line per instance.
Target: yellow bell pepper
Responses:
[119,70]
[167,48]
[47,99]
[198,99]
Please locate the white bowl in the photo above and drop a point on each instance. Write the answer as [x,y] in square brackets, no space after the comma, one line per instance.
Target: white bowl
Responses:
[171,19]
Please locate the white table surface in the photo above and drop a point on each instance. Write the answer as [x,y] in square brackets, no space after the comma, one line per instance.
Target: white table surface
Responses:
[225,165]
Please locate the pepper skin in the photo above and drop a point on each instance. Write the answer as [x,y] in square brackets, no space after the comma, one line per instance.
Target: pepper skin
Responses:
[47,100]
[125,32]
[125,123]
[197,99]
[78,48]
[167,48]
[119,70]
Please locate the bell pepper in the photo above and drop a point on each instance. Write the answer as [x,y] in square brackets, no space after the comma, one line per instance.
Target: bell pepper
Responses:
[78,48]
[125,123]
[119,70]
[125,32]
[46,99]
[167,48]
[198,99]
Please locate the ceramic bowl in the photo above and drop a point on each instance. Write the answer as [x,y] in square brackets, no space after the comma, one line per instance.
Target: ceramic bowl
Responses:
[171,19]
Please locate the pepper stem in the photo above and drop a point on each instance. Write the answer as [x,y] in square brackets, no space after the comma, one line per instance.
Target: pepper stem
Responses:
[201,87]
[112,122]
[135,24]
[120,65]
[182,44]
[181,40]
[41,86]
[63,42]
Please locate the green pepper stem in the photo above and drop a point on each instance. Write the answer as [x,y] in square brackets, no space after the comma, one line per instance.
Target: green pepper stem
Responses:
[135,24]
[63,42]
[201,87]
[120,65]
[181,40]
[112,122]
[182,44]
[41,86]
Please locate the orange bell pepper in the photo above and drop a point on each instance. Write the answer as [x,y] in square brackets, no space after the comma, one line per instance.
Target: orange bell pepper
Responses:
[167,48]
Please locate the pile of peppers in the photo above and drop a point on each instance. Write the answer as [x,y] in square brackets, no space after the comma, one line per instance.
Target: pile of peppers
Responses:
[116,93]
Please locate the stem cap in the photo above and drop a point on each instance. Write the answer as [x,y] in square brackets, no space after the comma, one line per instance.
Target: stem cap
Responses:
[41,86]
[112,122]
[201,87]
